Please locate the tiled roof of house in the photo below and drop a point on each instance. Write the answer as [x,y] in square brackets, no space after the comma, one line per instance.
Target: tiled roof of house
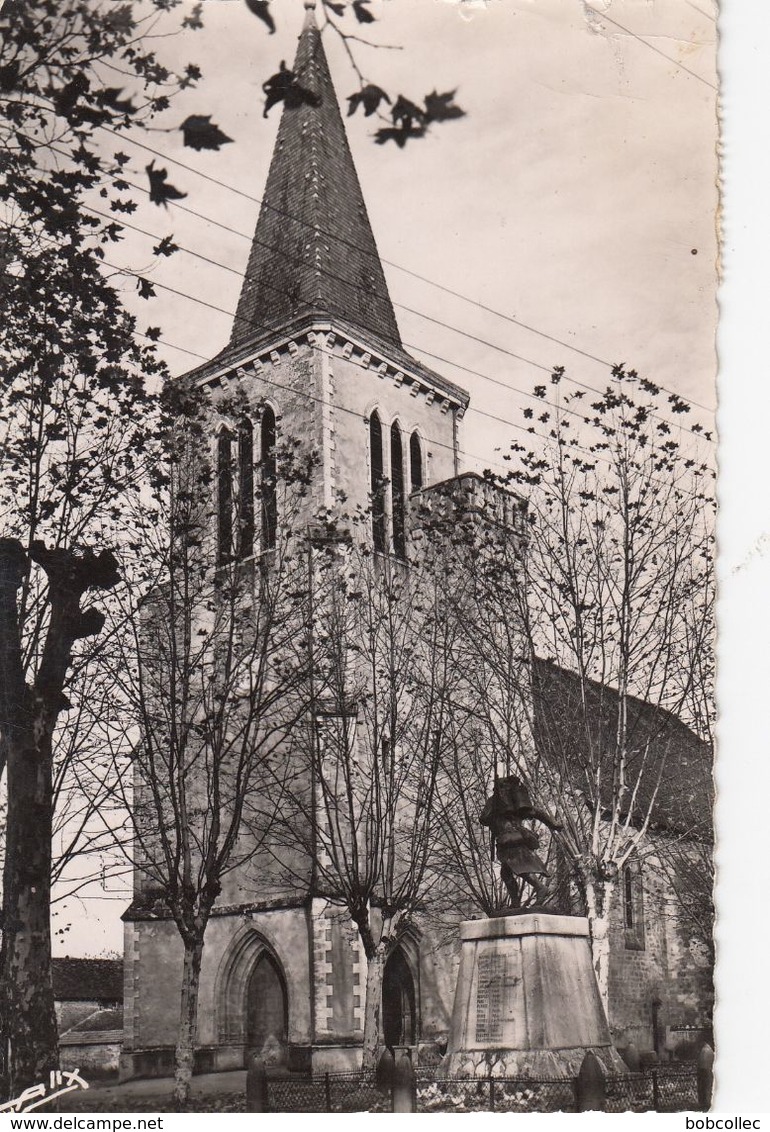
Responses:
[87,980]
[684,800]
[313,250]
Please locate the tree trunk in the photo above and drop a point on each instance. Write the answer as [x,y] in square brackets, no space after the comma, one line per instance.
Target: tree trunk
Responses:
[375,969]
[28,717]
[27,1016]
[188,1020]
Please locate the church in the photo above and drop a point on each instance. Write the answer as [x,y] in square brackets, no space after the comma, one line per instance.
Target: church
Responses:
[316,347]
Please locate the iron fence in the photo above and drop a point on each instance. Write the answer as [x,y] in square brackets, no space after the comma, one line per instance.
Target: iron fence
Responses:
[495,1094]
[662,1089]
[329,1092]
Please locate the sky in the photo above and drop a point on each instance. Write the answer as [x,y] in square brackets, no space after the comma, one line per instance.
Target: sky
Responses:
[577,196]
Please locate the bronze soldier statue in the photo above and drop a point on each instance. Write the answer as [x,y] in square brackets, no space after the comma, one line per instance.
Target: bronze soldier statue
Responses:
[504,813]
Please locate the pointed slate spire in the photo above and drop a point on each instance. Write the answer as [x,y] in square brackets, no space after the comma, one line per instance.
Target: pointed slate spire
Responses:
[313,250]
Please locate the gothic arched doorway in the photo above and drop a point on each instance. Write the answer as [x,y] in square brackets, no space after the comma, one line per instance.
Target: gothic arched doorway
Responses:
[267,1015]
[399,1002]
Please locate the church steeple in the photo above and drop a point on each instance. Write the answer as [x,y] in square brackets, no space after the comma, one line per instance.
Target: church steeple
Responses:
[313,251]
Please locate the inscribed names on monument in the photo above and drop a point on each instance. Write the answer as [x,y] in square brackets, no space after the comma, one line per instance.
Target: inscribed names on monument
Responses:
[491,997]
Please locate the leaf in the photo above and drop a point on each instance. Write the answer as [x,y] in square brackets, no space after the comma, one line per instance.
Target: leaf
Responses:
[370,97]
[194,20]
[399,134]
[66,98]
[441,108]
[166,247]
[261,9]
[284,87]
[677,404]
[111,97]
[192,73]
[9,75]
[144,287]
[406,112]
[338,9]
[160,192]
[199,132]
[362,13]
[153,333]
[120,18]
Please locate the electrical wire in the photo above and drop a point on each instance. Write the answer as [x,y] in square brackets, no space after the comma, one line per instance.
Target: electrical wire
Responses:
[365,251]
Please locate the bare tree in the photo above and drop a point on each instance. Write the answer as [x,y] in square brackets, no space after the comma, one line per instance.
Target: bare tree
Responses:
[212,675]
[585,641]
[362,802]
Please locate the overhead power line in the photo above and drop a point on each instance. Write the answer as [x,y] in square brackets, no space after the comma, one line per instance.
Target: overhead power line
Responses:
[365,251]
[541,401]
[529,431]
[484,460]
[249,322]
[657,50]
[477,373]
[279,290]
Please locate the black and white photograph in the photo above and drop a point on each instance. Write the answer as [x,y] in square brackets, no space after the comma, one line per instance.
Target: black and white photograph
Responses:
[358,572]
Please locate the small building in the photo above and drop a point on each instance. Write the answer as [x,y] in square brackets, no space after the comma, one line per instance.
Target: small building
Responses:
[88,996]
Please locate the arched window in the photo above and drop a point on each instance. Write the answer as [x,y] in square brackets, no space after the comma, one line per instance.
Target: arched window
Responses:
[415,461]
[224,497]
[397,491]
[377,484]
[268,480]
[633,906]
[245,489]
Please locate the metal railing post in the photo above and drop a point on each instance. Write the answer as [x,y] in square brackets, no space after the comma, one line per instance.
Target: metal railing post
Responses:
[655,1091]
[590,1085]
[705,1076]
[404,1090]
[256,1086]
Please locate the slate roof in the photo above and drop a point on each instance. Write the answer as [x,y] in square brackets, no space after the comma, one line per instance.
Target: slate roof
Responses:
[87,980]
[685,798]
[313,250]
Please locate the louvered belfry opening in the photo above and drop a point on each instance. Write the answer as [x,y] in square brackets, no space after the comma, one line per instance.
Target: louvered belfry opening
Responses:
[379,523]
[398,497]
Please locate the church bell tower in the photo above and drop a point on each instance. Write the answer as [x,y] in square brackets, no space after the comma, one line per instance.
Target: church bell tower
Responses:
[315,339]
[315,354]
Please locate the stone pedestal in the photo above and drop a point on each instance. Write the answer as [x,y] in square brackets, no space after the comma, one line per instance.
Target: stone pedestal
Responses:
[527,1002]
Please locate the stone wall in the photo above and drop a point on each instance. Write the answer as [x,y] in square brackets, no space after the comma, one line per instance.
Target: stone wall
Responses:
[663,978]
[96,1055]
